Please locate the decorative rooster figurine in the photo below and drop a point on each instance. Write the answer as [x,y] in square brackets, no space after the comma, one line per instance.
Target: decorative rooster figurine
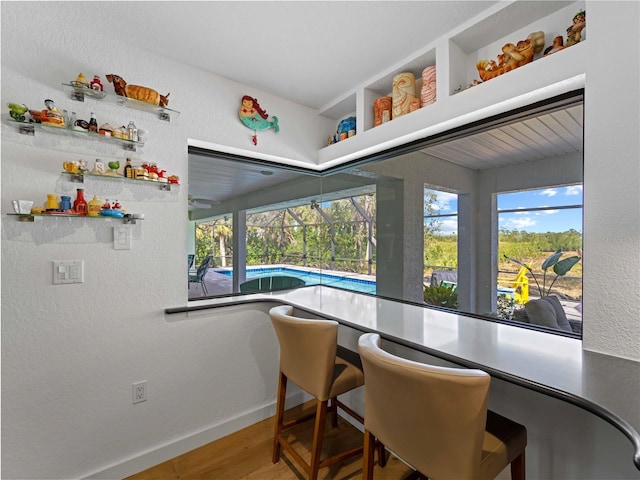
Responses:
[254,117]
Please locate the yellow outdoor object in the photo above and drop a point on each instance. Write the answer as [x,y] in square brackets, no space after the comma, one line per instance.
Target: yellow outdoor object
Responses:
[521,286]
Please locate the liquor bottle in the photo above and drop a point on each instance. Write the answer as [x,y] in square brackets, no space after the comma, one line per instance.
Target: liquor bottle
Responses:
[127,169]
[93,123]
[80,204]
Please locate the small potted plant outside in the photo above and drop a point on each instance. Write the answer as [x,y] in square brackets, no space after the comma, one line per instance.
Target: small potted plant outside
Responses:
[547,310]
[442,294]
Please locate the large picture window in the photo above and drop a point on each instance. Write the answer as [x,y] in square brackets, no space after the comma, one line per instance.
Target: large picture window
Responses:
[533,226]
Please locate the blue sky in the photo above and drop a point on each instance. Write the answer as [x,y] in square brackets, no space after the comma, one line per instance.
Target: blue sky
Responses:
[551,220]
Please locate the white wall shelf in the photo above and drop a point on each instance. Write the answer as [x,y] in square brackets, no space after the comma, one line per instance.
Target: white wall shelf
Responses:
[455,57]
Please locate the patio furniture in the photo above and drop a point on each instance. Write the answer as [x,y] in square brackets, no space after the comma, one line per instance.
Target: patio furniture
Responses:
[272,282]
[200,273]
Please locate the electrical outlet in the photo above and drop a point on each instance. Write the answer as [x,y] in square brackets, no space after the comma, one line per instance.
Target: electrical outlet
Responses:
[139,392]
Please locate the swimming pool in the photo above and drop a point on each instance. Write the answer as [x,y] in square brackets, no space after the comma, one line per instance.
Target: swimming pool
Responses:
[312,278]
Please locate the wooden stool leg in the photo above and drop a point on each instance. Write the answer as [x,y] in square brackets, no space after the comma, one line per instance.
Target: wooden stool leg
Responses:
[318,434]
[369,450]
[334,412]
[282,391]
[382,454]
[517,468]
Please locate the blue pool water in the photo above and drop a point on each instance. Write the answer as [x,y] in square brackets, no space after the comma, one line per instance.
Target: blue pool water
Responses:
[312,278]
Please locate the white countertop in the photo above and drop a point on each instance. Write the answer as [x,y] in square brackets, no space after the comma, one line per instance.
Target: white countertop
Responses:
[552,364]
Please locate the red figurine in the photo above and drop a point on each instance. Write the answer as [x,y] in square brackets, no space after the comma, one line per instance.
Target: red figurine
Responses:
[96,84]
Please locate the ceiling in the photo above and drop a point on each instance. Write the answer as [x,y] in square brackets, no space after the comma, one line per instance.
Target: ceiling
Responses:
[310,52]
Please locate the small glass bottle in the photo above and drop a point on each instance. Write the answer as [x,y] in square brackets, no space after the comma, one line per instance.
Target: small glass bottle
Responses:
[127,169]
[132,131]
[93,123]
[80,204]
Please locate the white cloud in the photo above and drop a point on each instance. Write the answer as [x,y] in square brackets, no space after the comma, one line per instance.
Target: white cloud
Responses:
[573,190]
[549,192]
[444,200]
[550,212]
[519,223]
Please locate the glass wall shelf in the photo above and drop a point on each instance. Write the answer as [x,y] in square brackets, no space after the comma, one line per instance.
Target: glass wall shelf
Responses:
[29,128]
[79,178]
[31,217]
[79,93]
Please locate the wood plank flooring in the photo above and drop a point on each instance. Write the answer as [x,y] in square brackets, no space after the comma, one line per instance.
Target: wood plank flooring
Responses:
[246,454]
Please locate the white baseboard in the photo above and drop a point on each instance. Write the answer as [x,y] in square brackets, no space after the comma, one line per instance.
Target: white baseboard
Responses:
[166,452]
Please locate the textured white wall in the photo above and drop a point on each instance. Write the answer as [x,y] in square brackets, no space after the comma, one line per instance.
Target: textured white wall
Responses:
[71,352]
[611,180]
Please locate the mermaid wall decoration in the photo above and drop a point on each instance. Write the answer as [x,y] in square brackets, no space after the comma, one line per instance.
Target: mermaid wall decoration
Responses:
[254,117]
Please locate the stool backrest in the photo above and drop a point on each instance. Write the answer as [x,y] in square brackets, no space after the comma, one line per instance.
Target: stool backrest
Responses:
[432,417]
[307,350]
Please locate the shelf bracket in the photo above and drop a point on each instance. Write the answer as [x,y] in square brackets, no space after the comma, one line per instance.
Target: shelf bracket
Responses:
[164,116]
[76,177]
[27,130]
[165,186]
[130,148]
[128,220]
[77,95]
[26,218]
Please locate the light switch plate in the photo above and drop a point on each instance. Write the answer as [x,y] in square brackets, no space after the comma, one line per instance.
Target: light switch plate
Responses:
[122,237]
[68,272]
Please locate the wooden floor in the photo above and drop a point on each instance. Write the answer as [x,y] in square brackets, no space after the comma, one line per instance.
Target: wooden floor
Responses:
[246,454]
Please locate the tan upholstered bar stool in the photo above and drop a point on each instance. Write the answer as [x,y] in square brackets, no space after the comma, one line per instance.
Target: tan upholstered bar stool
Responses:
[436,418]
[308,357]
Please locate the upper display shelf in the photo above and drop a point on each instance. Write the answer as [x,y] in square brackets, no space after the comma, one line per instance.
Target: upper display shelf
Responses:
[79,93]
[472,55]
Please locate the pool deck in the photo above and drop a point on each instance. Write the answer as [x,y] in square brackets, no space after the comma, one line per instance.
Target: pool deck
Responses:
[220,284]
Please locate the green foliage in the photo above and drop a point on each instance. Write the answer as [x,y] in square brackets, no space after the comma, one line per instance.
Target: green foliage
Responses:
[441,295]
[560,268]
[505,306]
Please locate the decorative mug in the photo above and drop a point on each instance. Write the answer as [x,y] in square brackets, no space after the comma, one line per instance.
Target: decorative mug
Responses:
[71,167]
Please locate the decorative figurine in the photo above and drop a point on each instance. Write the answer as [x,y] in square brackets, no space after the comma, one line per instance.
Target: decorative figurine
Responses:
[98,168]
[512,57]
[114,166]
[17,111]
[144,94]
[71,167]
[404,90]
[556,46]
[428,91]
[346,125]
[254,117]
[96,84]
[381,110]
[81,81]
[51,116]
[574,32]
